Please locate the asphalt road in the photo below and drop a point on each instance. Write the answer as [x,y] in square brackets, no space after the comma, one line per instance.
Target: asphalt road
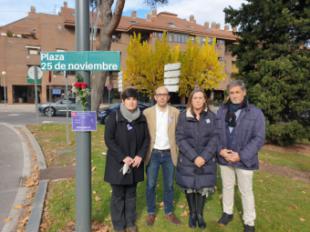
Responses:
[23,118]
[12,154]
[11,170]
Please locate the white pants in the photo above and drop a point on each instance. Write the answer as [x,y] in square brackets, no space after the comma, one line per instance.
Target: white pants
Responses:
[245,185]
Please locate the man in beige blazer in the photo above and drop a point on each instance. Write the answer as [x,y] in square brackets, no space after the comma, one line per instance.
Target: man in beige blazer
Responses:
[161,120]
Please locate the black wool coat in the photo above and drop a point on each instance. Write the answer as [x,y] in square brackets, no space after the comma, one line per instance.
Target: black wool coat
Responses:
[124,139]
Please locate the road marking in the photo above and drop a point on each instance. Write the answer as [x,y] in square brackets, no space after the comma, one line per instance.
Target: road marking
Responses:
[47,122]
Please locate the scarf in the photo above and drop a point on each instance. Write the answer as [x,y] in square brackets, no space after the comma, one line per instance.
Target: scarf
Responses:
[230,117]
[128,115]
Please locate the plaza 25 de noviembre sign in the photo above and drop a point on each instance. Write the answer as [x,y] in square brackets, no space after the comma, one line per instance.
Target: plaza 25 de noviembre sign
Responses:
[81,61]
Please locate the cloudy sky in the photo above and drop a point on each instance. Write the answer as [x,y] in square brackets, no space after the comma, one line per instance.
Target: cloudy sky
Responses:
[203,10]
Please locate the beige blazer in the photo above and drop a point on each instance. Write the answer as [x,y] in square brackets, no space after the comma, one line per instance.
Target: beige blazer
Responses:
[173,114]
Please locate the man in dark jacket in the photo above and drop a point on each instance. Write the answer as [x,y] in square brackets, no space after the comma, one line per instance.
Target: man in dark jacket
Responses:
[241,129]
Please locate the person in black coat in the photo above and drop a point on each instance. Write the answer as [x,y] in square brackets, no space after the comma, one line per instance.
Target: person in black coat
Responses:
[126,136]
[197,141]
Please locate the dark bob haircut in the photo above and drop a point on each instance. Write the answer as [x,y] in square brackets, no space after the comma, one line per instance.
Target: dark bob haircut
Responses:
[129,92]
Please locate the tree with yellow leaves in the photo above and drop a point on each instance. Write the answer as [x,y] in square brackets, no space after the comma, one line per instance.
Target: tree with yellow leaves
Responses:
[145,63]
[200,67]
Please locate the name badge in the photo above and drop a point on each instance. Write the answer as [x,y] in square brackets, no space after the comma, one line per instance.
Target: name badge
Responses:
[170,119]
[129,127]
[208,121]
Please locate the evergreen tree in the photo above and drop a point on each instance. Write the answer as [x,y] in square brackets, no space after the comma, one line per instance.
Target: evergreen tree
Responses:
[273,59]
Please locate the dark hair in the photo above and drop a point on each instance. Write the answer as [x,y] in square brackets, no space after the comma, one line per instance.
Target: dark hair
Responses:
[190,98]
[129,92]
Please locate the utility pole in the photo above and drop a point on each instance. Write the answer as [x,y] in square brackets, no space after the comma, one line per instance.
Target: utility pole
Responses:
[83,139]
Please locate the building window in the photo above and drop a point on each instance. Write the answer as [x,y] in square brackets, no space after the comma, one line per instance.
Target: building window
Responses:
[210,40]
[220,43]
[177,38]
[172,25]
[202,40]
[158,35]
[116,37]
[33,50]
[221,58]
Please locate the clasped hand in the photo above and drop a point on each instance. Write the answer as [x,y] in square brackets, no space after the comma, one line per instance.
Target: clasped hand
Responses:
[230,155]
[133,162]
[199,161]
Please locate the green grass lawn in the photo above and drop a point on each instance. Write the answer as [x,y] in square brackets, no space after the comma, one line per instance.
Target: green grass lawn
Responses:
[296,161]
[282,204]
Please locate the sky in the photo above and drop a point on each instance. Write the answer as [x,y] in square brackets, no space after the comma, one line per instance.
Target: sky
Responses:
[203,10]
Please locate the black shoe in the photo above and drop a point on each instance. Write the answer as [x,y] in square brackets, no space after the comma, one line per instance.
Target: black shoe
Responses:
[225,219]
[248,228]
[191,201]
[200,203]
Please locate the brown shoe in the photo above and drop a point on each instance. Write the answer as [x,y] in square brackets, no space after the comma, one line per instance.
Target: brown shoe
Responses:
[150,219]
[173,219]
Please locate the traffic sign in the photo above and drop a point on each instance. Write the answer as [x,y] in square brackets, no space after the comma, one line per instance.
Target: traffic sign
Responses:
[32,71]
[172,74]
[81,61]
[120,82]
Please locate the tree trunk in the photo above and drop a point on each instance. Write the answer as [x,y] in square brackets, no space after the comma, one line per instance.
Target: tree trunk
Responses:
[110,21]
[99,79]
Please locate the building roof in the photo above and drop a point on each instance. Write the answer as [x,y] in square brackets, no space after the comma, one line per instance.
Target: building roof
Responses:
[163,21]
[166,21]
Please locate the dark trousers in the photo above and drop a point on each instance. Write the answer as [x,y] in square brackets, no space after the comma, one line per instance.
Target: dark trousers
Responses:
[123,206]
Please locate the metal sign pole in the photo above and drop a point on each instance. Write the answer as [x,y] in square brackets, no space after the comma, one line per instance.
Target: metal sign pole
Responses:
[83,139]
[67,110]
[36,91]
[50,94]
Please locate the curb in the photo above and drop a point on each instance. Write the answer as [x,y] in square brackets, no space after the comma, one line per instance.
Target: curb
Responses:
[34,221]
[21,192]
[37,208]
[36,147]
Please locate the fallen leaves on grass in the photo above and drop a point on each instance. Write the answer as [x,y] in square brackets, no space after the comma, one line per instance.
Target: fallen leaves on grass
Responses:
[184,213]
[19,206]
[302,219]
[8,219]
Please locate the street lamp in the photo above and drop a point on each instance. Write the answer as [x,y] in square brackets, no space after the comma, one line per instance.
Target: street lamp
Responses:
[4,86]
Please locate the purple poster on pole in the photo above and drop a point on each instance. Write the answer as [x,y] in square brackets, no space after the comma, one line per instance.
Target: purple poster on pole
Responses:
[84,120]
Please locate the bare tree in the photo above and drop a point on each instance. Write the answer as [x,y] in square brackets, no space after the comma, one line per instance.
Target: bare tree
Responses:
[110,20]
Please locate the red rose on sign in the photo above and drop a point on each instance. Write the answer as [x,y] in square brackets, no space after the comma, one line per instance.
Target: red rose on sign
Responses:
[83,85]
[79,88]
[77,85]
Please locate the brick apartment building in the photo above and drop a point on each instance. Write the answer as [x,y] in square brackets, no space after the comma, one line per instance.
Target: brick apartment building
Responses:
[22,41]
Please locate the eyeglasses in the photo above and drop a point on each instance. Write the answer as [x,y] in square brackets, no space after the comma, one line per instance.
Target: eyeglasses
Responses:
[162,94]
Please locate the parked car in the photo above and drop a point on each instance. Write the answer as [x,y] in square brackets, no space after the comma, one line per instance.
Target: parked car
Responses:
[57,108]
[102,114]
[180,107]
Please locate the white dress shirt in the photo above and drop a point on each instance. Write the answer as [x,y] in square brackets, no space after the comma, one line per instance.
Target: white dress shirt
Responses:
[161,139]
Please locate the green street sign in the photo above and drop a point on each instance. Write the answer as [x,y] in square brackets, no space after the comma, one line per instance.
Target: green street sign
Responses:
[81,61]
[32,81]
